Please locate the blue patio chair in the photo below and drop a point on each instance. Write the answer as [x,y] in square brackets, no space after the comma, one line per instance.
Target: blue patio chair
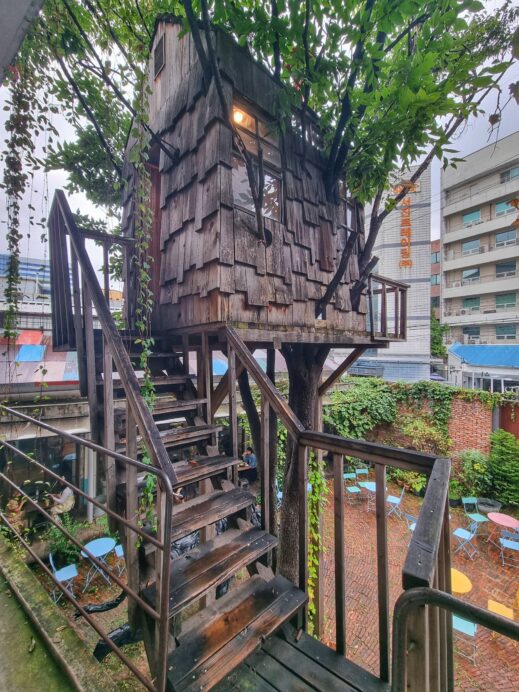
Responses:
[394,502]
[353,494]
[361,471]
[465,540]
[465,634]
[509,550]
[410,521]
[349,476]
[65,576]
[119,554]
[470,506]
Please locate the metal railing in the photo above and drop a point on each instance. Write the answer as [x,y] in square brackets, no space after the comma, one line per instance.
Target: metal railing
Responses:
[159,614]
[422,604]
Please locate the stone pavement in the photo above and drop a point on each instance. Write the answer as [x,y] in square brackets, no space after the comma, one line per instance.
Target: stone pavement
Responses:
[497,660]
[25,663]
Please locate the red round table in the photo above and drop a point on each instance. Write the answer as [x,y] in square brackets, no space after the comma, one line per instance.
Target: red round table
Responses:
[503,521]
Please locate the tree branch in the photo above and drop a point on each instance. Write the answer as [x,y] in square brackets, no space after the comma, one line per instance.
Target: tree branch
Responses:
[275,45]
[90,115]
[142,19]
[416,22]
[337,278]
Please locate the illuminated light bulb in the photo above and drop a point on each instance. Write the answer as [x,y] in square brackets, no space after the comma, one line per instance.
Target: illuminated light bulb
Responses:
[238,116]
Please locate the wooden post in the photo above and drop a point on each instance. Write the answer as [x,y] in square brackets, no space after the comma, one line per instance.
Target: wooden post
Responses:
[132,514]
[371,309]
[397,312]
[233,411]
[302,473]
[340,564]
[264,453]
[90,358]
[78,325]
[108,400]
[319,586]
[382,573]
[444,584]
[403,313]
[273,447]
[383,310]
[417,678]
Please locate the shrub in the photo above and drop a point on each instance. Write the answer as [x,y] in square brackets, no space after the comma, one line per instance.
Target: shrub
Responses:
[504,466]
[475,473]
[424,436]
[59,545]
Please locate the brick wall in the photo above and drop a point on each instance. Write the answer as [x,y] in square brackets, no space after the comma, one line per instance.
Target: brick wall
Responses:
[470,426]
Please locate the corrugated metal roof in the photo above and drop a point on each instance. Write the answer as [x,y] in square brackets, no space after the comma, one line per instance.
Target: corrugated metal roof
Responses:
[488,355]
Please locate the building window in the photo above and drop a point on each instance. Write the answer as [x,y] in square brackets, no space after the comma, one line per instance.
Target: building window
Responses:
[504,269]
[506,238]
[470,276]
[435,279]
[470,247]
[506,332]
[472,217]
[472,303]
[503,208]
[510,174]
[159,57]
[256,133]
[505,301]
[435,257]
[435,302]
[471,331]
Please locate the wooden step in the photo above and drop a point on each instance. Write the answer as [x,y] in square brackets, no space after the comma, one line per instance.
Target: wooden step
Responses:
[210,564]
[219,638]
[180,437]
[191,471]
[207,509]
[158,380]
[175,406]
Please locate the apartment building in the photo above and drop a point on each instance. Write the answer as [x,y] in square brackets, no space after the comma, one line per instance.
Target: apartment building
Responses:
[480,258]
[436,276]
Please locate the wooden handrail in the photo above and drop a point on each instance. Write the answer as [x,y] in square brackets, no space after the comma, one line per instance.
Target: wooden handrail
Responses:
[420,563]
[276,401]
[140,410]
[389,282]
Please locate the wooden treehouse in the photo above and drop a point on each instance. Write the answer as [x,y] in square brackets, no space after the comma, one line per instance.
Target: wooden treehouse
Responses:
[216,286]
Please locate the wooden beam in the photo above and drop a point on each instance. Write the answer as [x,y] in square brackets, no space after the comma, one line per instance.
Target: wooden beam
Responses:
[132,514]
[340,564]
[347,363]
[382,572]
[265,464]
[222,389]
[278,403]
[233,409]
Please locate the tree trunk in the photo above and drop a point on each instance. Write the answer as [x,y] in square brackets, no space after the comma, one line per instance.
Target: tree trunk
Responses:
[251,412]
[305,366]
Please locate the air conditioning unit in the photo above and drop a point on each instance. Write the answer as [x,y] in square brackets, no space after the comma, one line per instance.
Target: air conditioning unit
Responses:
[482,248]
[463,312]
[488,312]
[456,284]
[474,340]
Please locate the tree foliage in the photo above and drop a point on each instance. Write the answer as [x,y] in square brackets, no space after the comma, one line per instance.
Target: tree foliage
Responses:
[504,466]
[438,331]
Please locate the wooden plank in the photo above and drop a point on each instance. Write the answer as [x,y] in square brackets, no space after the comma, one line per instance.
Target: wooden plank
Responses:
[243,679]
[284,677]
[417,660]
[340,561]
[382,572]
[235,635]
[131,553]
[90,357]
[302,482]
[233,409]
[210,564]
[265,464]
[195,514]
[307,670]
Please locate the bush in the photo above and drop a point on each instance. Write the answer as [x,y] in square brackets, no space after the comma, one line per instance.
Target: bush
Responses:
[59,545]
[475,473]
[424,436]
[504,467]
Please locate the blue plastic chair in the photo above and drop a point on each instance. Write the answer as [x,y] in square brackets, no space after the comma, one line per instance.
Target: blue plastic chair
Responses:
[394,502]
[509,548]
[361,471]
[473,514]
[66,576]
[353,494]
[410,521]
[465,633]
[465,540]
[119,554]
[349,476]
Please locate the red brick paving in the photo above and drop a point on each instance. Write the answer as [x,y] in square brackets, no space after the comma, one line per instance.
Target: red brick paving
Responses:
[497,659]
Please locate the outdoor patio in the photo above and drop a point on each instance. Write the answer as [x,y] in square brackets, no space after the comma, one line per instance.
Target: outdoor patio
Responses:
[497,659]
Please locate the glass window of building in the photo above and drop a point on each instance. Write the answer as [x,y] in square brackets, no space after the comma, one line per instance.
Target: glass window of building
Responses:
[469,276]
[506,238]
[435,279]
[471,303]
[506,300]
[470,247]
[505,269]
[471,330]
[503,208]
[255,134]
[472,217]
[435,302]
[435,257]
[505,332]
[510,174]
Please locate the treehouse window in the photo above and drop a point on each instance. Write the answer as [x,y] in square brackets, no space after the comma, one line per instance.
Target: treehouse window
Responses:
[159,57]
[255,134]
